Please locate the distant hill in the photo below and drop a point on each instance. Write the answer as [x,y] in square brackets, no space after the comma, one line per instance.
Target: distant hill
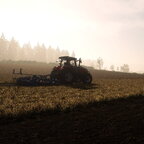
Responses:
[114,74]
[32,67]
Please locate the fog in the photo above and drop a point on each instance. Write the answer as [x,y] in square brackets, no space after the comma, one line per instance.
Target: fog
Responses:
[11,50]
[110,29]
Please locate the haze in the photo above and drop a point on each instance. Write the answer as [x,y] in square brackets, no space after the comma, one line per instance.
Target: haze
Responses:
[110,29]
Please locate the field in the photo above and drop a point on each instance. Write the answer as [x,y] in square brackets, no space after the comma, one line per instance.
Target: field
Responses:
[111,110]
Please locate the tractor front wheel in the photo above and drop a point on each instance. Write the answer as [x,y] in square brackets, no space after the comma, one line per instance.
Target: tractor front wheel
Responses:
[87,79]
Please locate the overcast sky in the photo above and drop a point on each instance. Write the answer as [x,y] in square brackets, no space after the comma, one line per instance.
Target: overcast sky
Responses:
[110,29]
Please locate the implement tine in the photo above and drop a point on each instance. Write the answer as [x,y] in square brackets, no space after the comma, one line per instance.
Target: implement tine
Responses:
[13,71]
[21,71]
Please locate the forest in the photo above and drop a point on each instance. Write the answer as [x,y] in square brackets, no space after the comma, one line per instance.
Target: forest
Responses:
[11,50]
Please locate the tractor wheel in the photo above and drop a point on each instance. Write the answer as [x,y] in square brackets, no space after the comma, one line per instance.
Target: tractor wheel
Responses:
[68,77]
[87,79]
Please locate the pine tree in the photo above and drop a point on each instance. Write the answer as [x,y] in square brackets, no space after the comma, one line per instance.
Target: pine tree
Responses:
[3,48]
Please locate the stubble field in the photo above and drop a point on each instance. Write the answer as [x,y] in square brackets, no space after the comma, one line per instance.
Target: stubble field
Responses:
[110,110]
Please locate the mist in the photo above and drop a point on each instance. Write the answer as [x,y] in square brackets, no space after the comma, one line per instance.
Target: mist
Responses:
[11,50]
[110,29]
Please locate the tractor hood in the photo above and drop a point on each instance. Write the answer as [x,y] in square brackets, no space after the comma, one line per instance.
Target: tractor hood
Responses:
[57,68]
[83,69]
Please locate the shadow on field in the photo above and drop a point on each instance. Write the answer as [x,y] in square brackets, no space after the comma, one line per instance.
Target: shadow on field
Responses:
[117,121]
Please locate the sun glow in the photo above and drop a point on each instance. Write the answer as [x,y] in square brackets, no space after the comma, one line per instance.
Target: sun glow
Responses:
[90,28]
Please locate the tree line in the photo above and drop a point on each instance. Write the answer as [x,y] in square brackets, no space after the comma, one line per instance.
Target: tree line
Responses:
[99,64]
[11,50]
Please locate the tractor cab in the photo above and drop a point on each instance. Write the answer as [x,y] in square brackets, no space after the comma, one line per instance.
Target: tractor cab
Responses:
[69,61]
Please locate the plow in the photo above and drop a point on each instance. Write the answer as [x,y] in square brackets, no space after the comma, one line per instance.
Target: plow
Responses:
[68,71]
[21,78]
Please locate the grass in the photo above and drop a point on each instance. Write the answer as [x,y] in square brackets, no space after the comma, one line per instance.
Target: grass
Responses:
[17,99]
[108,111]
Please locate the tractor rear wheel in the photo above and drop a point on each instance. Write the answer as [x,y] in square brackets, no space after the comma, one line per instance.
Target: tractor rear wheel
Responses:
[68,77]
[87,79]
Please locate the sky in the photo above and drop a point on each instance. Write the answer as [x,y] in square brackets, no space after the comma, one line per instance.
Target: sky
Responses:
[110,29]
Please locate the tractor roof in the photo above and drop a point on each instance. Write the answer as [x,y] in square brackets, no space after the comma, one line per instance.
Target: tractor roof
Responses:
[67,58]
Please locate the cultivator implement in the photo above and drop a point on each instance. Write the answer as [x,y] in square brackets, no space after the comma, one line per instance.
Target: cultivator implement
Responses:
[21,78]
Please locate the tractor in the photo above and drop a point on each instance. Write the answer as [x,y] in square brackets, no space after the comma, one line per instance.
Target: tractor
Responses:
[69,71]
